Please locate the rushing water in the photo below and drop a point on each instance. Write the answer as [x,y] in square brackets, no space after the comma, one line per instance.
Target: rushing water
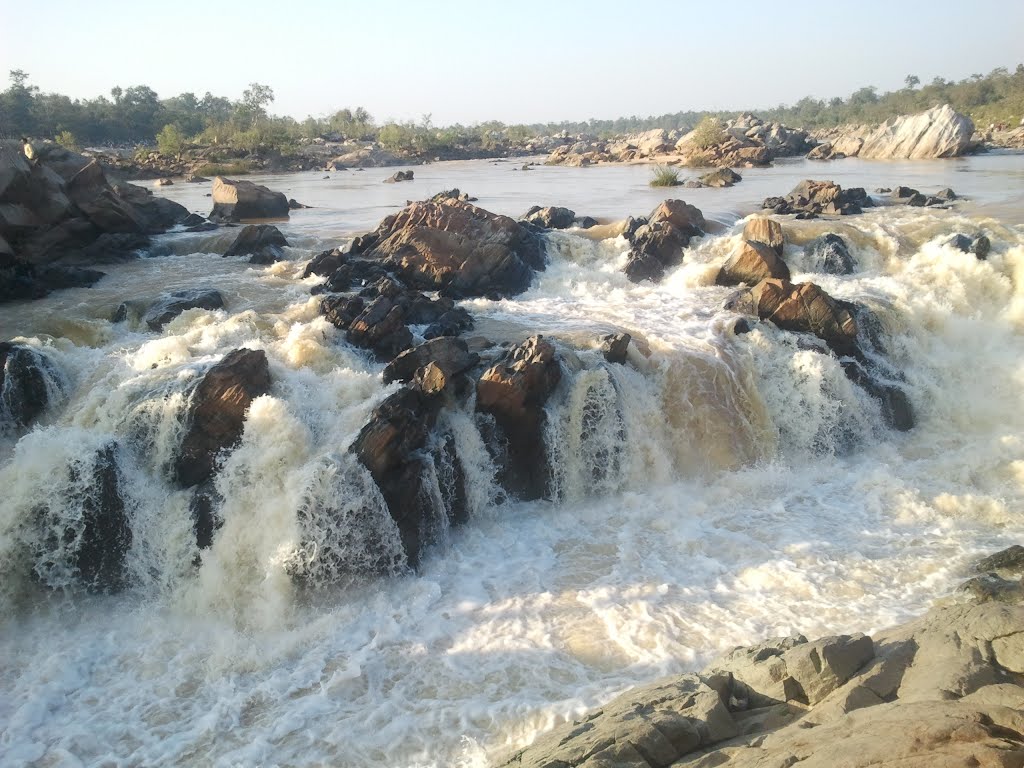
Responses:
[716,490]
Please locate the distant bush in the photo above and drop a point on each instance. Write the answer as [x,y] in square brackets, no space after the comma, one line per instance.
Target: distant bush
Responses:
[665,177]
[238,168]
[708,133]
[170,141]
[67,140]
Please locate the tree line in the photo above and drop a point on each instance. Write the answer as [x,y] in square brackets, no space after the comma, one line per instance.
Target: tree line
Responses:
[138,116]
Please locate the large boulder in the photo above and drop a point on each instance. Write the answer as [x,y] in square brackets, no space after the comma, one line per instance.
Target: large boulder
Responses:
[939,132]
[802,307]
[514,392]
[27,378]
[239,200]
[454,246]
[451,357]
[723,177]
[216,412]
[751,263]
[262,243]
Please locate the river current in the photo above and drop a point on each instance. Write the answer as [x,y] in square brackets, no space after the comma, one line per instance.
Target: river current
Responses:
[753,492]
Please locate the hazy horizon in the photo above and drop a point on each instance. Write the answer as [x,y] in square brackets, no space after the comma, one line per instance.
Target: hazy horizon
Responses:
[527,63]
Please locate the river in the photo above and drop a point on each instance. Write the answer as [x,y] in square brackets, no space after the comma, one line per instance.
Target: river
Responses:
[755,491]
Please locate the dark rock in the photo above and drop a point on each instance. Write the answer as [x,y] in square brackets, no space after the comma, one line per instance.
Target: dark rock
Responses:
[1009,561]
[979,246]
[241,200]
[585,222]
[451,357]
[27,378]
[946,195]
[57,276]
[514,392]
[216,413]
[454,246]
[830,254]
[105,535]
[614,347]
[205,510]
[193,220]
[451,323]
[819,197]
[261,242]
[550,218]
[896,408]
[295,205]
[659,243]
[173,304]
[324,263]
[399,176]
[902,193]
[380,327]
[883,190]
[752,262]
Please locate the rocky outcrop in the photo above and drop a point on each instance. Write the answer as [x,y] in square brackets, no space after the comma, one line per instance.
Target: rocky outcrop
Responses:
[399,176]
[514,392]
[810,198]
[939,132]
[723,177]
[216,412]
[751,263]
[449,356]
[262,243]
[168,307]
[979,245]
[943,691]
[241,200]
[28,380]
[658,242]
[830,254]
[54,210]
[453,246]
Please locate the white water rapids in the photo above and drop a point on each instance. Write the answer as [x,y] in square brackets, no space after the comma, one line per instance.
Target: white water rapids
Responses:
[716,490]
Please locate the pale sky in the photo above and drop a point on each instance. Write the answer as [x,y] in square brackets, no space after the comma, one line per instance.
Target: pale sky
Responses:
[524,61]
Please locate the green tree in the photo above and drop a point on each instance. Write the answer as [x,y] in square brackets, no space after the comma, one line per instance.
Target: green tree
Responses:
[170,141]
[67,140]
[912,81]
[255,100]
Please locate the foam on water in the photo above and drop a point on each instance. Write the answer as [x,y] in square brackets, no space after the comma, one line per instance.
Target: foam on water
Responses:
[716,490]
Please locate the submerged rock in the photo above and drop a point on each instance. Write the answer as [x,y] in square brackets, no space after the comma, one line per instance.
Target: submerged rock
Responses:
[514,392]
[216,413]
[830,254]
[615,346]
[173,304]
[240,200]
[27,378]
[399,176]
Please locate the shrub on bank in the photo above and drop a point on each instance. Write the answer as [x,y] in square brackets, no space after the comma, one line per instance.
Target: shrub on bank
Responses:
[708,133]
[664,176]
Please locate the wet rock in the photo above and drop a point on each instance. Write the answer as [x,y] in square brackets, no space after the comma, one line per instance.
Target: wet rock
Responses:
[830,254]
[897,410]
[241,200]
[514,392]
[192,220]
[104,534]
[801,307]
[1009,561]
[341,311]
[946,195]
[57,276]
[399,176]
[723,177]
[27,380]
[767,231]
[204,507]
[452,323]
[550,218]
[585,222]
[659,243]
[393,446]
[449,355]
[751,263]
[191,178]
[262,243]
[614,347]
[819,197]
[173,304]
[216,413]
[454,246]
[295,205]
[993,588]
[380,327]
[980,246]
[324,263]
